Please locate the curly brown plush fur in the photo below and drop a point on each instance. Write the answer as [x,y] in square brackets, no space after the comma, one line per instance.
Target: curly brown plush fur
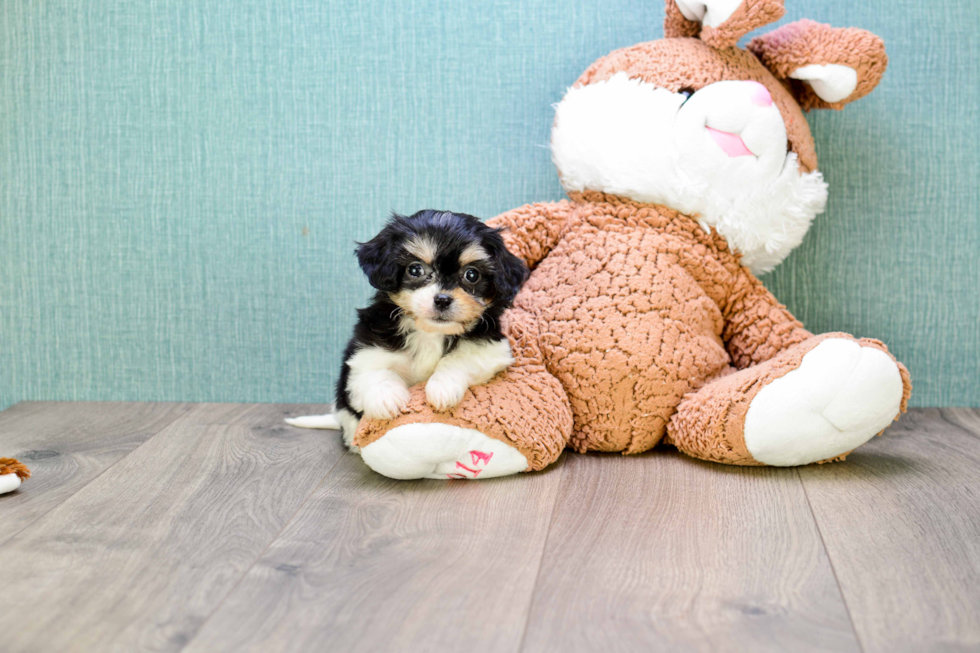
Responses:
[14,466]
[807,42]
[750,15]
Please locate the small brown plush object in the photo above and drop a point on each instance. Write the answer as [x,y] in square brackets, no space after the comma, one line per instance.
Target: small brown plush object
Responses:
[12,474]
[689,167]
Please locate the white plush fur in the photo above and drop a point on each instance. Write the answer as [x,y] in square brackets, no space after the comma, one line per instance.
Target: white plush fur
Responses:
[630,138]
[9,483]
[831,82]
[441,451]
[711,13]
[839,397]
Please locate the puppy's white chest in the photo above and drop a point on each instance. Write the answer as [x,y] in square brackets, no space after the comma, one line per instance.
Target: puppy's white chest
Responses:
[424,351]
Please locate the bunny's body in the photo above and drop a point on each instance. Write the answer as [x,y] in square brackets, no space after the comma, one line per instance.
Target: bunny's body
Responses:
[688,164]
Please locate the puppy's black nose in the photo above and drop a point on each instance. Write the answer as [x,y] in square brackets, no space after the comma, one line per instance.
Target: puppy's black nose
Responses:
[442,301]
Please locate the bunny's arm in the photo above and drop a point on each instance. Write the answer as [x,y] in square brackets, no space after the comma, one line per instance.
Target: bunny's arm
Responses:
[532,230]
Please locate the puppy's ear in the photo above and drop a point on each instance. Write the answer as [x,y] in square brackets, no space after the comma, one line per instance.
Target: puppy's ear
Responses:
[509,276]
[378,258]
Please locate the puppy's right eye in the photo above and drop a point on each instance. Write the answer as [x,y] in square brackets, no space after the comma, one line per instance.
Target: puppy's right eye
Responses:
[416,270]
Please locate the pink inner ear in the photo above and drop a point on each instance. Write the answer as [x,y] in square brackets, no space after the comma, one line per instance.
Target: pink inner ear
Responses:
[731,144]
[760,95]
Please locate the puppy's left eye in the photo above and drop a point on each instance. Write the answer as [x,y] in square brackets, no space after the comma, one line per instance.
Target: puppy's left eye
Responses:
[416,270]
[471,275]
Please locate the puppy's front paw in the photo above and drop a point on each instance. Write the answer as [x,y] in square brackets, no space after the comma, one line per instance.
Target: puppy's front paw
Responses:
[443,391]
[386,401]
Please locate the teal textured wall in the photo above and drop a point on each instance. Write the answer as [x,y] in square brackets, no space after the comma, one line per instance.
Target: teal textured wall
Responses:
[181,183]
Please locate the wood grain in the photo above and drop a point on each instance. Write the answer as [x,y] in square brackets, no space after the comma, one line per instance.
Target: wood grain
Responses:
[663,552]
[901,521]
[372,564]
[66,445]
[215,527]
[140,557]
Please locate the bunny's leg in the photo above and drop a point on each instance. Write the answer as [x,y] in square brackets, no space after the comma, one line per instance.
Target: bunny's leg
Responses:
[813,402]
[519,421]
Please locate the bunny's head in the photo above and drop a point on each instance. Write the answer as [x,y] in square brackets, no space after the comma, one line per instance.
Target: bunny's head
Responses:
[714,131]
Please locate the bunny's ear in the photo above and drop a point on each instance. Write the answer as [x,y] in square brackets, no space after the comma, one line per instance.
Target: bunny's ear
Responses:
[826,67]
[719,23]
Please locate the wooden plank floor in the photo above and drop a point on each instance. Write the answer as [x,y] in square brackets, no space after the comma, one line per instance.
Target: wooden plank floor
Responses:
[215,527]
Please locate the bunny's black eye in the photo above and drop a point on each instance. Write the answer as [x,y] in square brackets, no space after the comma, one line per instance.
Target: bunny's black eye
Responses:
[416,270]
[471,275]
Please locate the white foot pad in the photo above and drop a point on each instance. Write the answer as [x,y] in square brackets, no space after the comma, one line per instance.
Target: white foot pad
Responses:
[840,396]
[441,451]
[9,483]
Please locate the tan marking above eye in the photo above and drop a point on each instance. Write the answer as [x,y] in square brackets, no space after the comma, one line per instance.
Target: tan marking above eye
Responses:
[423,248]
[473,252]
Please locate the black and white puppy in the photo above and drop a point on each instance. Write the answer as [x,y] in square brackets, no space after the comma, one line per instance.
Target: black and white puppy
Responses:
[443,280]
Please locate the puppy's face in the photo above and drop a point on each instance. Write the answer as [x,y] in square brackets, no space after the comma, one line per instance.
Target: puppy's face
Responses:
[443,270]
[445,288]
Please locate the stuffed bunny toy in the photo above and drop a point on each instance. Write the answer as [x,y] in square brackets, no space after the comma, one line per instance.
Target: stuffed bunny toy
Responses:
[689,168]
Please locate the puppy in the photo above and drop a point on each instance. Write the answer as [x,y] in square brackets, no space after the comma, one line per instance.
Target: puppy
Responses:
[443,280]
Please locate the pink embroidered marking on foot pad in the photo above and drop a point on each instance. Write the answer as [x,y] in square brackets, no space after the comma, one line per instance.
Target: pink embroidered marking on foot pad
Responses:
[475,472]
[478,458]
